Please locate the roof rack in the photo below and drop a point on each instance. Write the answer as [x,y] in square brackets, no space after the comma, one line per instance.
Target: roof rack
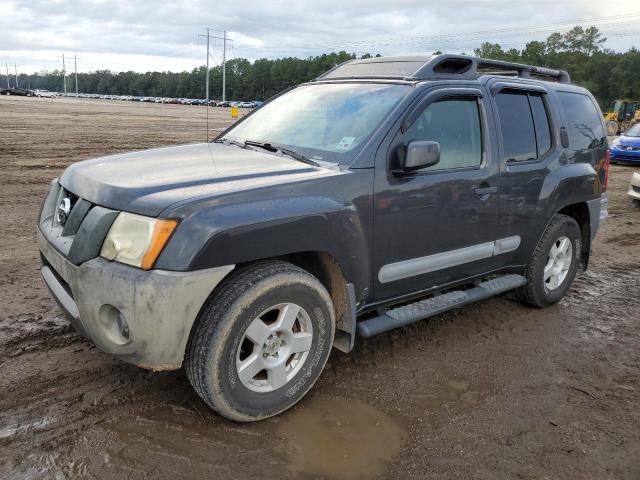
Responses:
[437,67]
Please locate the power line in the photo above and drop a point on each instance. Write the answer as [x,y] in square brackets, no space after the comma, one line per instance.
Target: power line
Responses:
[224,39]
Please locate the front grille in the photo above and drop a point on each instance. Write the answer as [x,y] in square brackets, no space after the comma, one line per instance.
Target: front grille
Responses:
[61,280]
[69,212]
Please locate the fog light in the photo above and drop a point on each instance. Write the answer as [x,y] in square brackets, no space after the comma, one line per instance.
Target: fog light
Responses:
[114,325]
[123,326]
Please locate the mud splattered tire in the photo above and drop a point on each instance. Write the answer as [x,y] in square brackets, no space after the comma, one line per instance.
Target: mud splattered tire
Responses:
[554,263]
[261,341]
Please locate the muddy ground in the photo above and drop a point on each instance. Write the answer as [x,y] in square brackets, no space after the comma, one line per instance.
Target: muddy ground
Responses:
[491,391]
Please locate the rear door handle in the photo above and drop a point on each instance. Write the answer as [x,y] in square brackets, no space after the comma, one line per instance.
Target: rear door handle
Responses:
[485,191]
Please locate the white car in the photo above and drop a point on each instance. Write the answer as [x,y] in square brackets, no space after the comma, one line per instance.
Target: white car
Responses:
[44,93]
[634,188]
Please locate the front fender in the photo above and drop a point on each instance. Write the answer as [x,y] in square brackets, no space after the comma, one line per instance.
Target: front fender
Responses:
[267,228]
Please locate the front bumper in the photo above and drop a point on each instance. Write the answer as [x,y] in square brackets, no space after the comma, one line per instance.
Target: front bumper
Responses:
[159,306]
[625,156]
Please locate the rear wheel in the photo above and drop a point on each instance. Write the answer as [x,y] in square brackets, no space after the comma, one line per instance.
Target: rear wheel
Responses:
[553,266]
[261,342]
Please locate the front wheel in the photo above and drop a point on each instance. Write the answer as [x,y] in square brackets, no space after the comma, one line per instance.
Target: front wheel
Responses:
[553,265]
[261,342]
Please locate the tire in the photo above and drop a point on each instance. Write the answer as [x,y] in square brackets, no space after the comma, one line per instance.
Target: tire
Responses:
[543,289]
[635,203]
[222,343]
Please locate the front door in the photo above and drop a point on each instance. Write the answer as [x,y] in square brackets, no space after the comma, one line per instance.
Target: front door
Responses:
[438,225]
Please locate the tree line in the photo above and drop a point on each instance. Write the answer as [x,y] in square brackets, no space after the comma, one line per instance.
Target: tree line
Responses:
[608,74]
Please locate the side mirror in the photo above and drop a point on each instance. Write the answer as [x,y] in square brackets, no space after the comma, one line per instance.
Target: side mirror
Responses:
[420,154]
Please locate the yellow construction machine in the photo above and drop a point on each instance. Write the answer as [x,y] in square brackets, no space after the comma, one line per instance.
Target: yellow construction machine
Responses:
[624,114]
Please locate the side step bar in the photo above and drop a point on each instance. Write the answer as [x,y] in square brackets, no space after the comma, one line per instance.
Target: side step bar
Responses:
[401,316]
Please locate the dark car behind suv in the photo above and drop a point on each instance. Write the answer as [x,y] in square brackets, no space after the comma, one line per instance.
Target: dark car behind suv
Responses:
[384,192]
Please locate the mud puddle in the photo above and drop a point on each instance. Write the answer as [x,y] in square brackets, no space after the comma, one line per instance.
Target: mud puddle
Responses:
[326,437]
[339,438]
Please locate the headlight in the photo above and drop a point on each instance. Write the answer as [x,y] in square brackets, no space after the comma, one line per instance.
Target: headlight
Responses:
[137,240]
[616,143]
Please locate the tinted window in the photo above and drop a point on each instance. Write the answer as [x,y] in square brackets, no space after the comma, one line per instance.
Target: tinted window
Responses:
[455,125]
[584,123]
[518,131]
[541,122]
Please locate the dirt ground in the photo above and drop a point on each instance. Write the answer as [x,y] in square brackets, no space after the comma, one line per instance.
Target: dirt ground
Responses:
[491,391]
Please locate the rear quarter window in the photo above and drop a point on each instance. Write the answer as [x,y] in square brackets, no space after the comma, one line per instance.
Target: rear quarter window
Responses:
[584,124]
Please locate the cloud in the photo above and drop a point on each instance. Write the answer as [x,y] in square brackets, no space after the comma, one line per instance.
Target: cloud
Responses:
[150,35]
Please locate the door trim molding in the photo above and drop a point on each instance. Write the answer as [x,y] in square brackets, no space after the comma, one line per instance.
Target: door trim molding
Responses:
[439,261]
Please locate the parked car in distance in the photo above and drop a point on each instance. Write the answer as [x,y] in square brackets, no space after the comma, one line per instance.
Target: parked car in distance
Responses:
[626,148]
[390,190]
[43,93]
[245,105]
[226,103]
[23,92]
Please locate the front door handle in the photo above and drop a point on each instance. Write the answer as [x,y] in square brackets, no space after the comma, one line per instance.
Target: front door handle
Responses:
[482,191]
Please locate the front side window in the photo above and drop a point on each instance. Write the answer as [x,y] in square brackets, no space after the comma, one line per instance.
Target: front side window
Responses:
[324,121]
[584,123]
[455,125]
[526,133]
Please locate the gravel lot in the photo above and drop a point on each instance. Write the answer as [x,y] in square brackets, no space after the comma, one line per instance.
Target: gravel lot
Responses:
[494,390]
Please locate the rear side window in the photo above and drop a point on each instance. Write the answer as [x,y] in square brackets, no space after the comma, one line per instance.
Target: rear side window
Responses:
[455,125]
[584,124]
[541,122]
[524,122]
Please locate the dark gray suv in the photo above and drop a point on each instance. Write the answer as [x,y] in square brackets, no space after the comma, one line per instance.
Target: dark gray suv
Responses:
[384,192]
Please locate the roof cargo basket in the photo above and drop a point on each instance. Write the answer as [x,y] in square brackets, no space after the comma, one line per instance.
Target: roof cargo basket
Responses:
[438,67]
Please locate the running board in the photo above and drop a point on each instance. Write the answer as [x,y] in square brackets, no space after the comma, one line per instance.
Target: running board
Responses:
[401,316]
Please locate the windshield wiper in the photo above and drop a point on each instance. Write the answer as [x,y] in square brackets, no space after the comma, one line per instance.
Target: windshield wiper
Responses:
[272,147]
[228,141]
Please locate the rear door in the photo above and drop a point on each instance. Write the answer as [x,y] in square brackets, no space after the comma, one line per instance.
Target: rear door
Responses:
[437,225]
[530,147]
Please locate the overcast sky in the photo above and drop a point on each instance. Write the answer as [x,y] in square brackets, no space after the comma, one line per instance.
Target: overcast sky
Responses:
[144,35]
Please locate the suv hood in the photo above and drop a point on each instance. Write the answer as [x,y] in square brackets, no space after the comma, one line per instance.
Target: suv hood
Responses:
[149,181]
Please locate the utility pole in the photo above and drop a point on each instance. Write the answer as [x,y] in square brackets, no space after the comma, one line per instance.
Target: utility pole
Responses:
[64,74]
[75,64]
[224,39]
[224,66]
[7,65]
[207,80]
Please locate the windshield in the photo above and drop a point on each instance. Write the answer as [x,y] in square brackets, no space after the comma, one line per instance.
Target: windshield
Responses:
[633,131]
[324,122]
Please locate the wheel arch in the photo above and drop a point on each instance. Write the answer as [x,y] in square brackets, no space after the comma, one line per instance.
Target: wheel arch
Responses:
[326,268]
[580,213]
